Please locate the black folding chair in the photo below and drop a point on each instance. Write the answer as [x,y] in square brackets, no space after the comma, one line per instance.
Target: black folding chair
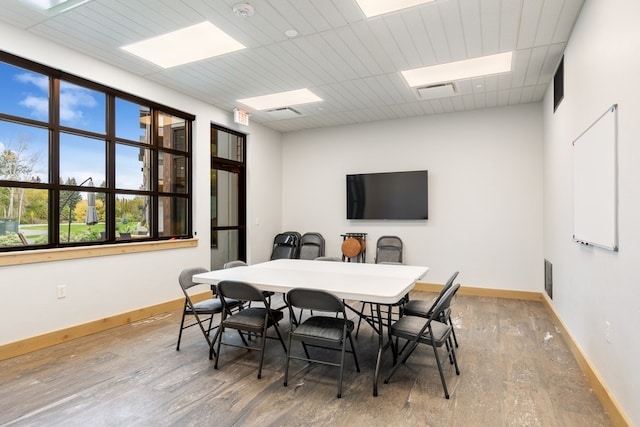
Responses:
[432,332]
[202,311]
[422,308]
[254,320]
[325,331]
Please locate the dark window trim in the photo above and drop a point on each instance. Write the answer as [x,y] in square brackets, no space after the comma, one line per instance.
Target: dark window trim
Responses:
[55,187]
[240,168]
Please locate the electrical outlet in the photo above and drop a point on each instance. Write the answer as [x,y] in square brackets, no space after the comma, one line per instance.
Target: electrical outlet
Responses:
[62,291]
[607,331]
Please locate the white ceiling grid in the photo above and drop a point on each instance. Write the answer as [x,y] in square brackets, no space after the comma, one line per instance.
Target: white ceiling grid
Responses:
[350,61]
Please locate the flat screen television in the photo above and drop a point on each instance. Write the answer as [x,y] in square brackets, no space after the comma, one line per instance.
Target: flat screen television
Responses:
[388,195]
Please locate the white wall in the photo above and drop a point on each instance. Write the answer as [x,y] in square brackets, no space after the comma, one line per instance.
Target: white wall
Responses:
[485,190]
[264,181]
[596,291]
[106,286]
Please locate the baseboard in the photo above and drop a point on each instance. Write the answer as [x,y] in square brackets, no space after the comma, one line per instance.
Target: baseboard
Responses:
[28,345]
[483,292]
[616,414]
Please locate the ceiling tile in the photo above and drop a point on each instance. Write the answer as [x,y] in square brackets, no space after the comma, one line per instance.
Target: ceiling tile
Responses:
[350,61]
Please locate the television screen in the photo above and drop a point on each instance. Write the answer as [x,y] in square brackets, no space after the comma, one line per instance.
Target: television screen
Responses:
[387,195]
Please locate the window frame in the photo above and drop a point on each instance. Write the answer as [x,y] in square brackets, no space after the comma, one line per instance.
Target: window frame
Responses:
[155,146]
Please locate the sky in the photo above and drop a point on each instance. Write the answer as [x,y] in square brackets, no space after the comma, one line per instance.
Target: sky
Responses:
[26,94]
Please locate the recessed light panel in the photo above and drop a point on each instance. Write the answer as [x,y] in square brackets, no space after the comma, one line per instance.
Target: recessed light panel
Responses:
[378,7]
[282,99]
[55,6]
[189,44]
[482,66]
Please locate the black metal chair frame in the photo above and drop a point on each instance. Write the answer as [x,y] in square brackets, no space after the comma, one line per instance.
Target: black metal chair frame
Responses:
[417,330]
[422,308]
[202,311]
[392,243]
[323,331]
[240,263]
[253,320]
[286,245]
[389,244]
[313,240]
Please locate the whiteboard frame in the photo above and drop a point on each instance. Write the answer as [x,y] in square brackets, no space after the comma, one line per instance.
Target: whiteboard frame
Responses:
[605,205]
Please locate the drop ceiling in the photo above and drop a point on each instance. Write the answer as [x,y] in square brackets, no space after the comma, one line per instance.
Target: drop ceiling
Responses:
[353,63]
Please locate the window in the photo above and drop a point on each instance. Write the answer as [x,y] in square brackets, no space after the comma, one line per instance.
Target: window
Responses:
[83,164]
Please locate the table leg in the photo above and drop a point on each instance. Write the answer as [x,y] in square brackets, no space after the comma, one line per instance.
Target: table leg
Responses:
[377,324]
[380,350]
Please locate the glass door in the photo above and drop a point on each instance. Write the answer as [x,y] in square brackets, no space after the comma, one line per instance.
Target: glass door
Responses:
[228,197]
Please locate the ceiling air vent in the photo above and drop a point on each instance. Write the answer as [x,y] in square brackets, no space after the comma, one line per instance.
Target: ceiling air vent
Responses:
[441,90]
[283,113]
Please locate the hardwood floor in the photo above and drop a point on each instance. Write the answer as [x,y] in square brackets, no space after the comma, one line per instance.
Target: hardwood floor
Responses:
[516,370]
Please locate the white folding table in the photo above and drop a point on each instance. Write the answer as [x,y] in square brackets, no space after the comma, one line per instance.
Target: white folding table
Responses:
[379,284]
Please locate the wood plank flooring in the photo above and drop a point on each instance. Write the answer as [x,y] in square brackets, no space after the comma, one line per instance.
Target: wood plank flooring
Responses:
[516,370]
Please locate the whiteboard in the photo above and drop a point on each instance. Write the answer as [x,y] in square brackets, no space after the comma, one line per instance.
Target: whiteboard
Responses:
[595,183]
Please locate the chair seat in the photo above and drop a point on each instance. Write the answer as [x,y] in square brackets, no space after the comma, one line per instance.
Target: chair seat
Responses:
[421,308]
[211,306]
[323,328]
[252,318]
[409,326]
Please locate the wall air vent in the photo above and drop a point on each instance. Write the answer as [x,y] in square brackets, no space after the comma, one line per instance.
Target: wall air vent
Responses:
[441,90]
[283,113]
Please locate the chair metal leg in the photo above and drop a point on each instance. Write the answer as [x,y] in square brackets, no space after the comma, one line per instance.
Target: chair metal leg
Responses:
[453,332]
[210,325]
[306,350]
[355,356]
[344,344]
[444,382]
[244,341]
[217,351]
[181,329]
[275,326]
[449,344]
[404,356]
[286,368]
[360,318]
[262,345]
[213,342]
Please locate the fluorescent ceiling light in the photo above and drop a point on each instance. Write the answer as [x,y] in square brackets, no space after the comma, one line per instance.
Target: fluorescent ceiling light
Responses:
[190,44]
[282,99]
[56,6]
[482,66]
[378,7]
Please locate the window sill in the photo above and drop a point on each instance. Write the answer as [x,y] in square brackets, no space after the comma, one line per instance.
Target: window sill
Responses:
[46,255]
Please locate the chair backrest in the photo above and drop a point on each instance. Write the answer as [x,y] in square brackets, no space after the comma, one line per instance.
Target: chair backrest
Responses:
[241,291]
[448,296]
[297,236]
[311,246]
[233,264]
[185,278]
[286,245]
[314,299]
[446,287]
[438,307]
[389,249]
